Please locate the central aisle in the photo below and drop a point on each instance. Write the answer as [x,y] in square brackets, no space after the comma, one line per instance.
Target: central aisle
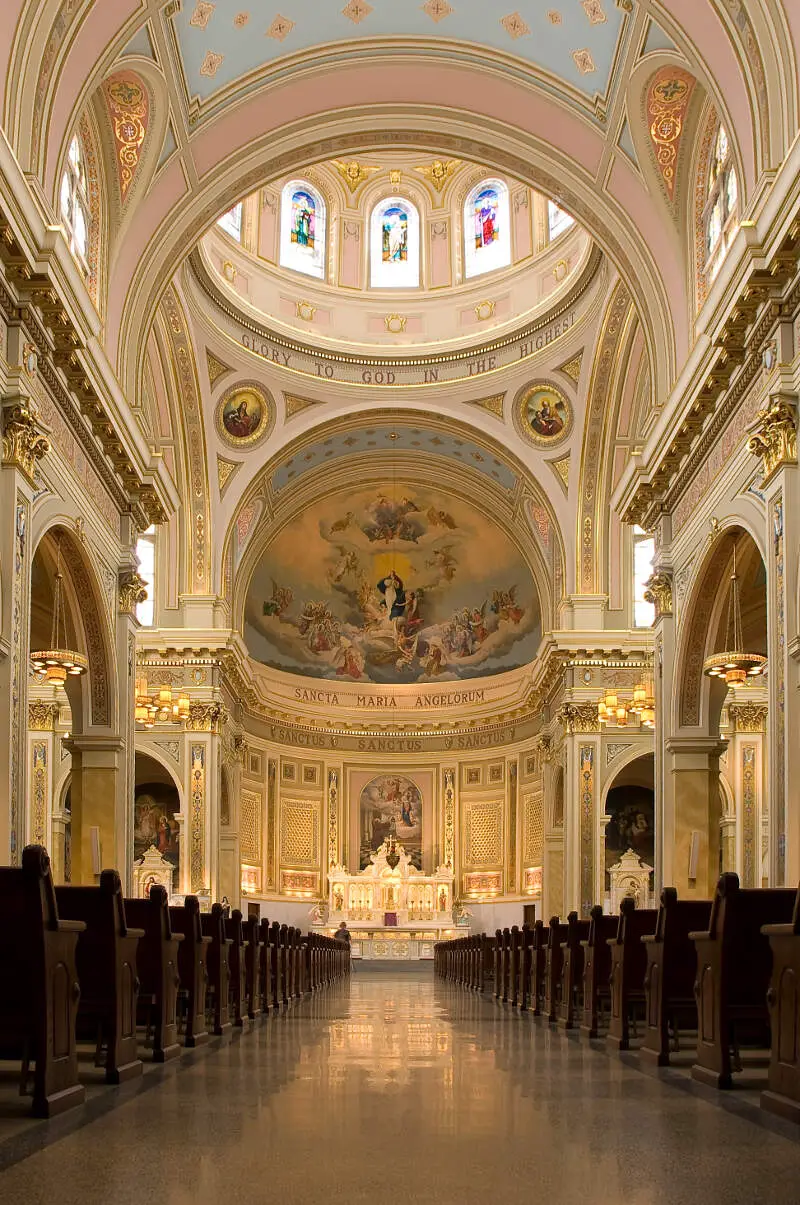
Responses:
[403,1090]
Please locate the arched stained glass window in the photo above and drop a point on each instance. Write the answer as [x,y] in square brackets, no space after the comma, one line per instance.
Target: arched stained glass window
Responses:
[394,245]
[231,222]
[722,204]
[487,237]
[74,204]
[303,220]
[558,220]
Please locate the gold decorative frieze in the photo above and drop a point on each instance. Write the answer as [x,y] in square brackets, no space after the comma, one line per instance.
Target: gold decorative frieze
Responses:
[658,592]
[132,591]
[42,717]
[23,444]
[483,884]
[299,882]
[774,438]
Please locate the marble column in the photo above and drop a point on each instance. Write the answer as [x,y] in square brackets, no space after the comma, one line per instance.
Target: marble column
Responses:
[98,770]
[659,592]
[692,763]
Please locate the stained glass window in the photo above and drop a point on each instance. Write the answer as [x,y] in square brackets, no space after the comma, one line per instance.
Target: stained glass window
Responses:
[722,203]
[303,223]
[394,245]
[644,549]
[74,202]
[558,220]
[487,242]
[231,222]
[146,556]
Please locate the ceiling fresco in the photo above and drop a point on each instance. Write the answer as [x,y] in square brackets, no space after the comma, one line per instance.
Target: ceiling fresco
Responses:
[396,585]
[573,43]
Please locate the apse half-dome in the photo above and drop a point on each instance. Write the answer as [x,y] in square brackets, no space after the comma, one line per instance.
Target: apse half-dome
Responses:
[392,585]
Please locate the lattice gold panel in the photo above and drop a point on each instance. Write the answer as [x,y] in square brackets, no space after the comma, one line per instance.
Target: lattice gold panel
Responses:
[299,841]
[484,834]
[533,821]
[250,827]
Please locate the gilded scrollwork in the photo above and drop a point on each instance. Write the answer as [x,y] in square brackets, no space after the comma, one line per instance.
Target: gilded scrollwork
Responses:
[658,592]
[42,717]
[23,443]
[205,717]
[132,591]
[774,437]
[579,717]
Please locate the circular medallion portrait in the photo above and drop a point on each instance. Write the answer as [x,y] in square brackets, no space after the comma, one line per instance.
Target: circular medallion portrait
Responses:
[542,414]
[244,415]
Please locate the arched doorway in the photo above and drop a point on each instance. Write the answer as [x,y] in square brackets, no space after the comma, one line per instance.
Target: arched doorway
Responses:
[629,818]
[156,818]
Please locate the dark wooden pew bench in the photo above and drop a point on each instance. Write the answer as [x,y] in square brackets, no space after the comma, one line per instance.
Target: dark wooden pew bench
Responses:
[670,1003]
[628,973]
[212,927]
[39,988]
[570,1003]
[554,963]
[157,967]
[783,998]
[237,967]
[252,962]
[106,961]
[597,972]
[734,966]
[192,967]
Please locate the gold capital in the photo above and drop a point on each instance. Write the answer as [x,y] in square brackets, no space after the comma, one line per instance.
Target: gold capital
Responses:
[23,443]
[132,591]
[774,436]
[658,591]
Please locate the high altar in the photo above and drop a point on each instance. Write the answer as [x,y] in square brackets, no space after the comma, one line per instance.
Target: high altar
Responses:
[392,909]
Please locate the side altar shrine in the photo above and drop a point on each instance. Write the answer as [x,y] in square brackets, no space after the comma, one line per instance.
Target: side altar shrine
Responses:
[392,909]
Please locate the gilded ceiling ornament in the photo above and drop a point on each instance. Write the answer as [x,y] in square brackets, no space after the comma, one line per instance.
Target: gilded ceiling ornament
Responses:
[437,10]
[775,435]
[23,443]
[129,109]
[225,471]
[515,26]
[584,61]
[394,176]
[216,368]
[202,14]
[30,360]
[395,323]
[280,28]
[484,310]
[561,269]
[658,592]
[295,405]
[492,405]
[240,20]
[438,172]
[356,11]
[244,415]
[132,591]
[554,16]
[572,368]
[594,11]
[354,173]
[561,470]
[542,414]
[305,310]
[667,102]
[211,64]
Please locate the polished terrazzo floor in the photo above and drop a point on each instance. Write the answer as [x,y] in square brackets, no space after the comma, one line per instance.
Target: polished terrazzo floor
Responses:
[401,1089]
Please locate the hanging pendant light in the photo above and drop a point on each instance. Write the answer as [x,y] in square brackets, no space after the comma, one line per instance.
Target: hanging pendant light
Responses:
[735,666]
[57,662]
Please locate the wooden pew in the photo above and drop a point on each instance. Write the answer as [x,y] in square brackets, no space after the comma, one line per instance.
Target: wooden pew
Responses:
[670,1004]
[157,968]
[783,998]
[570,1004]
[597,971]
[505,965]
[497,978]
[277,963]
[237,967]
[192,967]
[525,968]
[218,971]
[487,961]
[39,989]
[628,971]
[541,935]
[515,965]
[252,962]
[106,961]
[265,964]
[734,965]
[554,961]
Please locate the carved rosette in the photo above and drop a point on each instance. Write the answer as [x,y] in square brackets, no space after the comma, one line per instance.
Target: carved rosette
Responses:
[774,436]
[132,591]
[23,444]
[658,591]
[579,718]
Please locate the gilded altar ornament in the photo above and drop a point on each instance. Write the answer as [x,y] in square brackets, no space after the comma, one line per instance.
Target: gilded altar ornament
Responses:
[775,435]
[658,592]
[23,444]
[132,591]
[354,173]
[438,172]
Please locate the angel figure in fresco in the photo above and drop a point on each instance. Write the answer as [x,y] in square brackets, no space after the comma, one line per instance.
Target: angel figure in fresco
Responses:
[444,561]
[344,523]
[352,660]
[440,518]
[281,599]
[505,605]
[348,563]
[434,663]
